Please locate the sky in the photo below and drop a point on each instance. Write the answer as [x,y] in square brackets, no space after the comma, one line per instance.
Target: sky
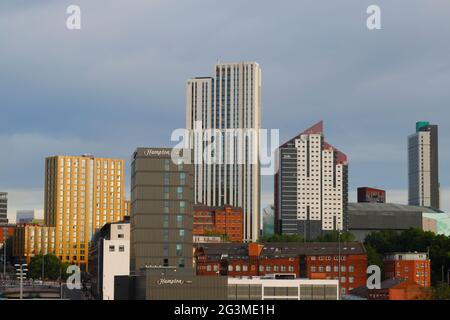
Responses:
[119,82]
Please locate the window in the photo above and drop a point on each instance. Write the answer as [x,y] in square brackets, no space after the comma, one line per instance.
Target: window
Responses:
[111,248]
[120,235]
[351,268]
[121,248]
[179,221]
[179,249]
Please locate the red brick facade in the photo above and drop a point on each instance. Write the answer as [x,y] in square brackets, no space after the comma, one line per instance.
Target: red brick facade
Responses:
[353,269]
[226,220]
[416,271]
[254,261]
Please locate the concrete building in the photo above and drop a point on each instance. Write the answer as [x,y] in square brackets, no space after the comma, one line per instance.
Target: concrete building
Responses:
[410,266]
[311,186]
[24,216]
[30,240]
[364,218]
[423,166]
[367,194]
[109,256]
[82,193]
[230,104]
[3,208]
[264,288]
[225,221]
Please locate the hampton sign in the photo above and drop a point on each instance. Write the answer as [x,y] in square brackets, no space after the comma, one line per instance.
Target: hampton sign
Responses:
[164,281]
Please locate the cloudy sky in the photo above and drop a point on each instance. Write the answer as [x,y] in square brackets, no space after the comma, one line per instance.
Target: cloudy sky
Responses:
[119,82]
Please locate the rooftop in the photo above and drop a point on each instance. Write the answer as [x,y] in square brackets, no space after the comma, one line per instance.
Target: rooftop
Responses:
[388,207]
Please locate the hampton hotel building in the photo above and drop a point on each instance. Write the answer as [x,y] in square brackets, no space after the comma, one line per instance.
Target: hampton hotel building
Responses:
[82,193]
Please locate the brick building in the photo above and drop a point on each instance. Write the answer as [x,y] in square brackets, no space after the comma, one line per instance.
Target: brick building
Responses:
[392,289]
[372,195]
[300,260]
[225,220]
[413,267]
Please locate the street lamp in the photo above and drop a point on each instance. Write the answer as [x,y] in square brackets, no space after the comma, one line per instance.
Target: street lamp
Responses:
[21,270]
[5,235]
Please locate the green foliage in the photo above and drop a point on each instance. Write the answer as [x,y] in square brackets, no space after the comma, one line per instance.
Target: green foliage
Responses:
[441,291]
[282,238]
[328,237]
[333,236]
[215,233]
[373,257]
[412,240]
[53,267]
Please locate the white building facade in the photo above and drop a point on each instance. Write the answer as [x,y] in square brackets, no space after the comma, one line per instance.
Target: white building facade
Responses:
[311,188]
[109,256]
[227,106]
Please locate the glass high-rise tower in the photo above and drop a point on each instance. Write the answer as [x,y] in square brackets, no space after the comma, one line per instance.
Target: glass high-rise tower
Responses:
[230,104]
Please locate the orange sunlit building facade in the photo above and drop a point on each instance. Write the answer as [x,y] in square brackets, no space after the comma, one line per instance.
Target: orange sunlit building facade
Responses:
[82,193]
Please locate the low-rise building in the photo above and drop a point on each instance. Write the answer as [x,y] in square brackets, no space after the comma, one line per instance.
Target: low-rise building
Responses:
[24,216]
[319,261]
[225,220]
[392,289]
[364,218]
[372,195]
[109,256]
[31,239]
[410,266]
[264,288]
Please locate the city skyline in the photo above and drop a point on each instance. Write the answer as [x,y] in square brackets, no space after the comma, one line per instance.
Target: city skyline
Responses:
[67,95]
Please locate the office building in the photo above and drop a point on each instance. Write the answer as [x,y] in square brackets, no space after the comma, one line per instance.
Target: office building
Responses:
[24,216]
[3,208]
[423,166]
[410,266]
[82,193]
[230,104]
[109,256]
[311,186]
[225,221]
[373,195]
[315,261]
[31,239]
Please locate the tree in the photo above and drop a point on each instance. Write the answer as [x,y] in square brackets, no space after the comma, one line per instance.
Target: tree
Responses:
[441,291]
[333,236]
[438,247]
[53,267]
